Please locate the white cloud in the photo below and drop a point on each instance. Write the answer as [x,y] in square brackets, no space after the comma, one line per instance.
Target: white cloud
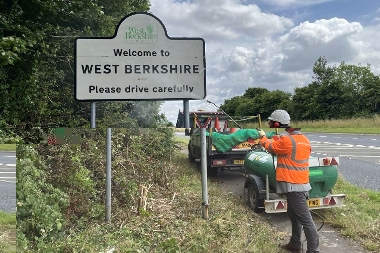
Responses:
[216,20]
[305,43]
[293,3]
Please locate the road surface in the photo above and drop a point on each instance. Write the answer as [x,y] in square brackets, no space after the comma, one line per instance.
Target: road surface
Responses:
[359,156]
[8,181]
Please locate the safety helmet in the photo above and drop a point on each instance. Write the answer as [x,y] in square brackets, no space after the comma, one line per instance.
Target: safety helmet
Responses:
[281,116]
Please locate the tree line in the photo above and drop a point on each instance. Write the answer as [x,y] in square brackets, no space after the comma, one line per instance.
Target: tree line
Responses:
[37,66]
[336,92]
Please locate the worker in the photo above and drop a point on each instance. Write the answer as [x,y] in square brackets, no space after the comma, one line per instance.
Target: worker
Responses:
[292,179]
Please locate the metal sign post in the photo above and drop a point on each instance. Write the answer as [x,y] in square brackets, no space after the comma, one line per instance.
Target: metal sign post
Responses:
[186,114]
[108,176]
[93,115]
[204,174]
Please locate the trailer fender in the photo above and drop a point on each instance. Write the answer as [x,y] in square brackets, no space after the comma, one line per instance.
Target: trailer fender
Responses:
[258,182]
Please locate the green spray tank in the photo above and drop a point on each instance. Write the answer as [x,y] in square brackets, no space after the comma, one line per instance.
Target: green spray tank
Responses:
[323,173]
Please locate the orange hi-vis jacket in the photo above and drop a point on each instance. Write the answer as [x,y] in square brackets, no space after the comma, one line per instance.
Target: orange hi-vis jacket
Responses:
[293,152]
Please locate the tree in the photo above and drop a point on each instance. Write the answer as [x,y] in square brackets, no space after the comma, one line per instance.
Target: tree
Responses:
[273,100]
[356,80]
[254,92]
[304,104]
[230,105]
[246,107]
[322,72]
[37,58]
[336,92]
[257,101]
[370,94]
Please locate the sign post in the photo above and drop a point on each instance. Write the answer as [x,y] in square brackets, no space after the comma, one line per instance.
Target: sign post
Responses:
[108,175]
[204,173]
[93,115]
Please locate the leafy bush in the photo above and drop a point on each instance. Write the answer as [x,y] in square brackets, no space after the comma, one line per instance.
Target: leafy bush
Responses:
[7,136]
[39,204]
[68,180]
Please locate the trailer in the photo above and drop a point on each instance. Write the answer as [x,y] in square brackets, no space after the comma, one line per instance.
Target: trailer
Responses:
[260,182]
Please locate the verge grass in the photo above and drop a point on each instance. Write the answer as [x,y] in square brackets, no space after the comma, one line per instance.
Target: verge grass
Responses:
[173,222]
[7,147]
[360,218]
[355,125]
[7,232]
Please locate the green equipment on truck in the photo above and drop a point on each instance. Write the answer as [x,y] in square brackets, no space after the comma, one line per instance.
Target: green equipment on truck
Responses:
[226,147]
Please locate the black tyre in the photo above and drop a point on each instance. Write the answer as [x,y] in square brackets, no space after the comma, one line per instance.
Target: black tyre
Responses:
[212,171]
[191,157]
[254,203]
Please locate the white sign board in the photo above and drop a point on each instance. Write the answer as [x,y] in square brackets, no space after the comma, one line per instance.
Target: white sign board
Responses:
[140,62]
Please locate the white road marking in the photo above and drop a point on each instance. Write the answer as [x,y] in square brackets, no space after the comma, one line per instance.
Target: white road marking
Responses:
[361,155]
[8,164]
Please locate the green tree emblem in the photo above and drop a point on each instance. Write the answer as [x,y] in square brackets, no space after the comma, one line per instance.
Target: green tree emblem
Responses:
[149,28]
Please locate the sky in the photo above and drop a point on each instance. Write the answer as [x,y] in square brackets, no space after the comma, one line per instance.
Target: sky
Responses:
[271,44]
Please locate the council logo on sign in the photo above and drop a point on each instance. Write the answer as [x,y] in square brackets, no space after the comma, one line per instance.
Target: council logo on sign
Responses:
[146,34]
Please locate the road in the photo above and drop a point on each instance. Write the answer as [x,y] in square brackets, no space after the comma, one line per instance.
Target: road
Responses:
[359,164]
[8,181]
[359,156]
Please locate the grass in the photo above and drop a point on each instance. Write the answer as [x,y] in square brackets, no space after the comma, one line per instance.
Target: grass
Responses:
[360,218]
[173,222]
[354,126]
[7,232]
[7,147]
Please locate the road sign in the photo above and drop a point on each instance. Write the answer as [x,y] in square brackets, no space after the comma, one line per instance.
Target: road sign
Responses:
[140,62]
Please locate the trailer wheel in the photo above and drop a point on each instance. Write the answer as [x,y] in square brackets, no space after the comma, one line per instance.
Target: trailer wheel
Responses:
[212,171]
[191,157]
[253,202]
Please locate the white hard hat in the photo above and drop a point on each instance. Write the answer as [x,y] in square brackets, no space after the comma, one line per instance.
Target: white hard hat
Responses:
[281,116]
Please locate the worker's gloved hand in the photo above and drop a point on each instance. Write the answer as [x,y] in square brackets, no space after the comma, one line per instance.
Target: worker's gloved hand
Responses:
[260,132]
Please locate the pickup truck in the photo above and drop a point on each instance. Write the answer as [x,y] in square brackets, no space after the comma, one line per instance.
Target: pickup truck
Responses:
[225,150]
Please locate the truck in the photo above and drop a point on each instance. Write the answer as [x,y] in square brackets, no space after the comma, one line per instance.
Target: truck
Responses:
[226,147]
[260,182]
